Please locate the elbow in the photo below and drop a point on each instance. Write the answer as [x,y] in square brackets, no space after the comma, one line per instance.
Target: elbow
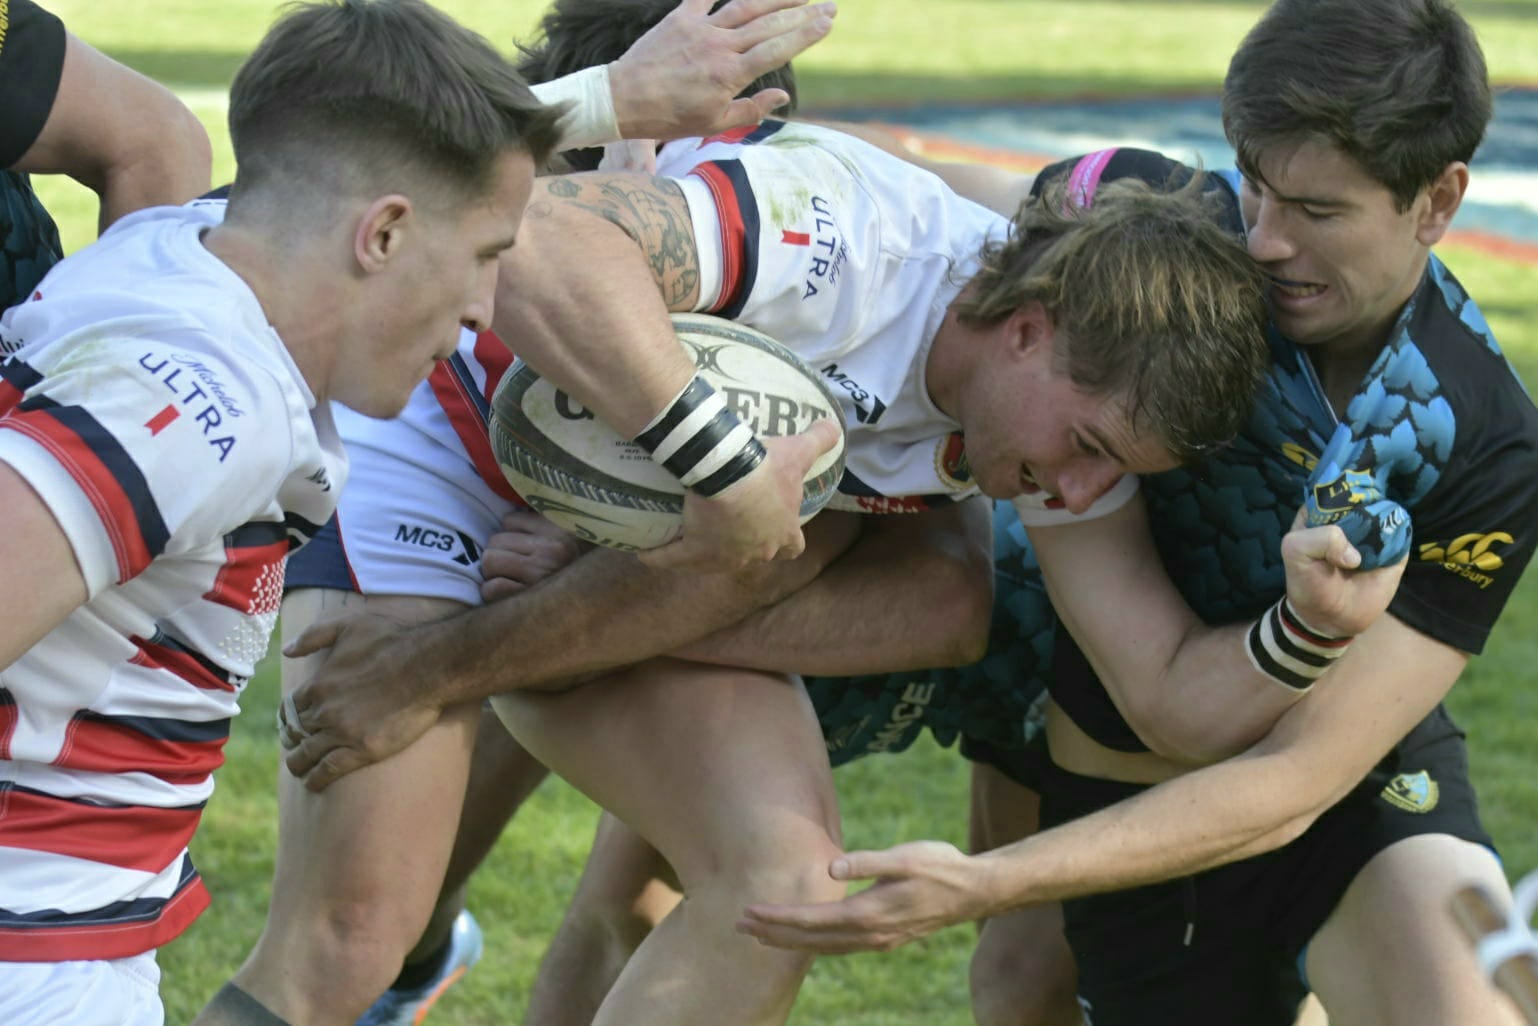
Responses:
[168,164]
[181,152]
[1169,729]
[966,608]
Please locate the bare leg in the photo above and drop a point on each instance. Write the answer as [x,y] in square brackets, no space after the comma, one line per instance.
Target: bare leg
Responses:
[725,772]
[1022,971]
[1390,955]
[350,896]
[625,891]
[502,776]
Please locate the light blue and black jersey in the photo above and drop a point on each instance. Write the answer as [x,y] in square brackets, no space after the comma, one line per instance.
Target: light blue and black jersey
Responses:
[1440,424]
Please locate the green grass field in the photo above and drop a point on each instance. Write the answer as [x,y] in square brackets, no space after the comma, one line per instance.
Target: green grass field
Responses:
[887,51]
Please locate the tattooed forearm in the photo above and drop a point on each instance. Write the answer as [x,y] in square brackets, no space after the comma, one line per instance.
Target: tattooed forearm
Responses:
[652,212]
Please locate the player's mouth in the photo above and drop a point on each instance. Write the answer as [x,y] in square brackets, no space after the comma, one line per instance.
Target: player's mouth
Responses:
[1289,291]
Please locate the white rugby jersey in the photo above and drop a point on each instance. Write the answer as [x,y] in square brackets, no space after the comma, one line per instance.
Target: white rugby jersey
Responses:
[847,255]
[850,257]
[162,420]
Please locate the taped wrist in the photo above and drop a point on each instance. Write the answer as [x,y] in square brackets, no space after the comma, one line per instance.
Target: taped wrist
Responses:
[1286,649]
[701,442]
[589,119]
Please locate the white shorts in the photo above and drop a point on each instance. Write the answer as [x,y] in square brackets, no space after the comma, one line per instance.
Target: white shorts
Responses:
[120,992]
[414,515]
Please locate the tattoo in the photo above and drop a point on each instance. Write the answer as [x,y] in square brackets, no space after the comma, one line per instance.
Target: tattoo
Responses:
[237,1008]
[652,211]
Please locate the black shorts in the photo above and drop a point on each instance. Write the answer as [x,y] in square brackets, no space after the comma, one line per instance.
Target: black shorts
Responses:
[1225,947]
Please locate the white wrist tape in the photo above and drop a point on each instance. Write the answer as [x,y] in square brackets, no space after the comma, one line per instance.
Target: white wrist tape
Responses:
[1289,651]
[589,120]
[700,441]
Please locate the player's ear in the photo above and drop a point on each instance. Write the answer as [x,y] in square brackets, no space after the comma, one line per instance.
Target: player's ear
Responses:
[382,231]
[1029,328]
[1443,197]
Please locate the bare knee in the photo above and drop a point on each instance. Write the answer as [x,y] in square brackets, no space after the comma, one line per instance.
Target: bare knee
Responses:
[333,960]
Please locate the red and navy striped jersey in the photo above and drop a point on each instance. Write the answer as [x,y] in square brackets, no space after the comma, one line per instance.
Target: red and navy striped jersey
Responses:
[162,421]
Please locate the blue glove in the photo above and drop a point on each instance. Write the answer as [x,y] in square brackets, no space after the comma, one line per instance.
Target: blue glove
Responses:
[1378,527]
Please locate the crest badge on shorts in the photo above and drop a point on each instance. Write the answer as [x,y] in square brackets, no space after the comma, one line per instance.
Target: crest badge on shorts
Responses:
[1412,792]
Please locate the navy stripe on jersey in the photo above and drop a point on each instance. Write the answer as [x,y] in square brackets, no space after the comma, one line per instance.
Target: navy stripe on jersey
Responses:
[299,530]
[737,209]
[119,929]
[176,751]
[256,535]
[462,373]
[19,374]
[163,652]
[105,472]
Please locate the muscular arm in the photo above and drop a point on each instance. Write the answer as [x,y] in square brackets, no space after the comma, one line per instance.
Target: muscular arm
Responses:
[1259,800]
[914,591]
[120,134]
[1189,690]
[1243,806]
[600,261]
[605,610]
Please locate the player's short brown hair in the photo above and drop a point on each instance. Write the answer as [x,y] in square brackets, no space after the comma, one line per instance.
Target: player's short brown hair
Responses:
[1399,86]
[383,95]
[1155,305]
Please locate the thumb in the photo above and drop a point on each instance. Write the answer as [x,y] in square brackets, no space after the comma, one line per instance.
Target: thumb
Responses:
[817,439]
[739,113]
[1341,552]
[860,865]
[315,637]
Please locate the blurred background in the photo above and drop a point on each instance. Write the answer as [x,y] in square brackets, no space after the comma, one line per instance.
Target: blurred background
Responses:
[1017,82]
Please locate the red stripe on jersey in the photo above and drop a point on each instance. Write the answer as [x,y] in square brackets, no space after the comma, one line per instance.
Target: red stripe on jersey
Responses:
[102,746]
[101,486]
[139,837]
[251,579]
[795,238]
[8,717]
[734,236]
[106,940]
[464,412]
[184,664]
[10,397]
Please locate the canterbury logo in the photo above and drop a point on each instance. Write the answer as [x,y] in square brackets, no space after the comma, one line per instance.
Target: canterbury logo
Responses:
[1469,556]
[1468,549]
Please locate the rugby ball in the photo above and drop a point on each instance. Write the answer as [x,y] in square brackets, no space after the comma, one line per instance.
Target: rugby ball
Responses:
[579,473]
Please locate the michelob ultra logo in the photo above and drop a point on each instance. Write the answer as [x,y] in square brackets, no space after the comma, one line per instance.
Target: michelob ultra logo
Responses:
[1470,556]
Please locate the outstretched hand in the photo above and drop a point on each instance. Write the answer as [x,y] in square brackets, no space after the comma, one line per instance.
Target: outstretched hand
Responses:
[683,76]
[1325,586]
[754,520]
[920,887]
[350,714]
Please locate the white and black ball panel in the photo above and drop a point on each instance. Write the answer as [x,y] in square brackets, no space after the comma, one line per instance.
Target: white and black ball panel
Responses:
[576,471]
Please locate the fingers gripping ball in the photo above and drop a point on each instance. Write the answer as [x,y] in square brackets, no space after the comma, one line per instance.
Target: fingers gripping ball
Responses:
[1377,526]
[605,489]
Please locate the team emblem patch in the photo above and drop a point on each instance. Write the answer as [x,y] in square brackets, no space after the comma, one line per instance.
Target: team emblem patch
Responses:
[1412,792]
[951,462]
